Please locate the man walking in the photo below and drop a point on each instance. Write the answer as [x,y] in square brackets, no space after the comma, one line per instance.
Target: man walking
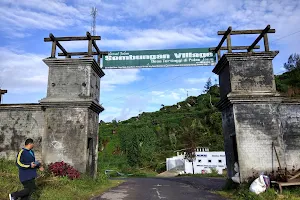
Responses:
[27,171]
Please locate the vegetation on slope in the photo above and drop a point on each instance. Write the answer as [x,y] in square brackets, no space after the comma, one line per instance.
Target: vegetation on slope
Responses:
[147,140]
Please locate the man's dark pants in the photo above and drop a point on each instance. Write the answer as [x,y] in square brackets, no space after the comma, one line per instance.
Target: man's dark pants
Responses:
[29,187]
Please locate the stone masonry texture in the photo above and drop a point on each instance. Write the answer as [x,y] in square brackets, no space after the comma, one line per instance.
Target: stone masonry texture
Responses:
[255,116]
[64,125]
[17,123]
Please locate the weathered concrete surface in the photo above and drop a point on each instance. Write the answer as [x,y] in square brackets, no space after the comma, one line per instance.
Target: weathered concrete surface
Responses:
[254,115]
[246,73]
[73,79]
[229,136]
[72,113]
[260,124]
[17,123]
[65,137]
[65,123]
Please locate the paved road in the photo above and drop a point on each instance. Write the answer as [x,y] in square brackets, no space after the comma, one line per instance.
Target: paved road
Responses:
[177,188]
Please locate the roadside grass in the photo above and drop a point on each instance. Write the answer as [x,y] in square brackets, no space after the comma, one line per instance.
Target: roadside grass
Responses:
[50,187]
[214,173]
[242,192]
[202,175]
[131,172]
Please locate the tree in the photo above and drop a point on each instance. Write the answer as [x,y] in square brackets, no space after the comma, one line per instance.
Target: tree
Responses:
[293,62]
[190,137]
[207,85]
[114,122]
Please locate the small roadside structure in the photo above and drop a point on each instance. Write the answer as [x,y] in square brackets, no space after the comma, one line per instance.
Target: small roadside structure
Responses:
[204,162]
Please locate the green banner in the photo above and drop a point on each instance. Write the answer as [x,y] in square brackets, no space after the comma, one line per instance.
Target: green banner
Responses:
[159,58]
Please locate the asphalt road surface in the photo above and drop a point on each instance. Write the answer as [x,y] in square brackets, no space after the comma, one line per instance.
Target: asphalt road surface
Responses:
[177,188]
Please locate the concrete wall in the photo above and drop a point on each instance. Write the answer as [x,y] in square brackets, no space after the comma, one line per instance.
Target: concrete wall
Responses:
[73,80]
[254,114]
[72,113]
[224,78]
[65,138]
[93,135]
[252,74]
[290,132]
[257,126]
[229,135]
[17,123]
[246,73]
[260,124]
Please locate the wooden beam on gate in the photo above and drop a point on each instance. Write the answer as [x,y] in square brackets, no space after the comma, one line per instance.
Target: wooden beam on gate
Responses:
[2,92]
[84,53]
[223,39]
[266,42]
[72,38]
[93,42]
[51,36]
[219,55]
[259,38]
[240,32]
[229,43]
[235,48]
[53,49]
[90,44]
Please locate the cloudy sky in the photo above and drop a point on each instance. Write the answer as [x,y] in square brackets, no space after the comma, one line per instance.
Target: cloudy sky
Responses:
[134,25]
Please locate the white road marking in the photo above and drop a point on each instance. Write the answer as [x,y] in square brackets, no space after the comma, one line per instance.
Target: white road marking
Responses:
[158,194]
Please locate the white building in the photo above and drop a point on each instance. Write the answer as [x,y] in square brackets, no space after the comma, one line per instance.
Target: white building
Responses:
[203,163]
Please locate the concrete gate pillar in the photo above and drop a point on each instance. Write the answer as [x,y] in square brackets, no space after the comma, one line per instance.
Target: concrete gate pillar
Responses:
[250,112]
[71,111]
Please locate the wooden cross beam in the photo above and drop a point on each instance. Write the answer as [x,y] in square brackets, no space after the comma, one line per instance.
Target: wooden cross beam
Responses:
[226,35]
[2,92]
[263,34]
[223,39]
[72,38]
[91,43]
[234,48]
[55,43]
[84,53]
[240,32]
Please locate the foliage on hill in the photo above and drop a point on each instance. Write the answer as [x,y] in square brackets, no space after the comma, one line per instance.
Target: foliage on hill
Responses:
[289,83]
[147,140]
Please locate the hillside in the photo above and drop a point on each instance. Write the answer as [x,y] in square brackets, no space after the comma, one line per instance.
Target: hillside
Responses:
[288,83]
[145,141]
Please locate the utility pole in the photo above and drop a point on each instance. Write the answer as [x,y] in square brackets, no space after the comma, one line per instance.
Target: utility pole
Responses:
[93,26]
[94,15]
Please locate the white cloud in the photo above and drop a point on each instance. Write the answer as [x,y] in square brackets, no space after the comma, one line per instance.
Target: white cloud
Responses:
[22,72]
[170,97]
[157,38]
[196,80]
[22,16]
[137,38]
[157,93]
[114,77]
[112,109]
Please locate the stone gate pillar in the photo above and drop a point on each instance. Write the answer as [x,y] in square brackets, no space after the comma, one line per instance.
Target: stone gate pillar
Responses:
[71,111]
[250,112]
